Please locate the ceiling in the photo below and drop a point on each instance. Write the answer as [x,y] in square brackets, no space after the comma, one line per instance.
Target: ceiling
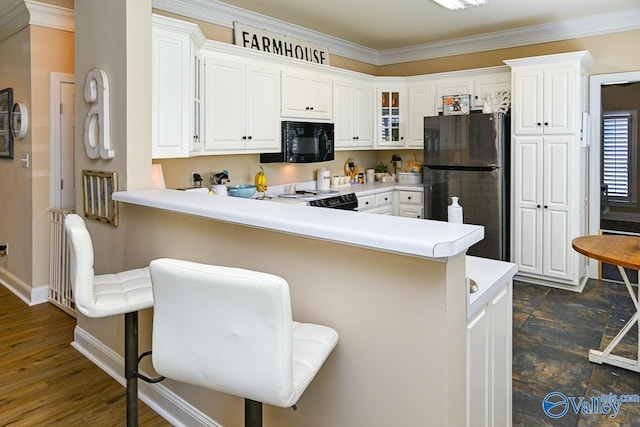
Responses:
[394,24]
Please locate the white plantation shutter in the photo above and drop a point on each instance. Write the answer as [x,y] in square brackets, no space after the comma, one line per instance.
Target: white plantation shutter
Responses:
[619,155]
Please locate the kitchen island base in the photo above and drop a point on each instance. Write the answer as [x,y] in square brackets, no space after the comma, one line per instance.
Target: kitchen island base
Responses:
[402,319]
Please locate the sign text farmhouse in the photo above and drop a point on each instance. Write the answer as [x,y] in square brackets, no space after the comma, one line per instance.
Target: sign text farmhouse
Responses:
[267,41]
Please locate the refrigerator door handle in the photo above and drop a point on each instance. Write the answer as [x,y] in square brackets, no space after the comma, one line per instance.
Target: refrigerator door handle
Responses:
[463,168]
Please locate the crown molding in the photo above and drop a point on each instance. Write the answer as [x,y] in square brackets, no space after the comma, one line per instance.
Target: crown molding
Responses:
[13,20]
[25,13]
[50,16]
[219,13]
[607,23]
[216,12]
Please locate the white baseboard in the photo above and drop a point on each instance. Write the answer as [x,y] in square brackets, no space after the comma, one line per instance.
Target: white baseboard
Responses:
[30,296]
[166,403]
[39,294]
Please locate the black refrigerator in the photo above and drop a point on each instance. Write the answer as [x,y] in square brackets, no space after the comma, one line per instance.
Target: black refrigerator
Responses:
[467,156]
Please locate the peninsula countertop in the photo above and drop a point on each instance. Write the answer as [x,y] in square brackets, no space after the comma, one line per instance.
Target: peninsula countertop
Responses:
[420,238]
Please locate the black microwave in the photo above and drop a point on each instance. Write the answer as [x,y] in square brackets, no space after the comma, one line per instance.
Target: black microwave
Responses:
[303,142]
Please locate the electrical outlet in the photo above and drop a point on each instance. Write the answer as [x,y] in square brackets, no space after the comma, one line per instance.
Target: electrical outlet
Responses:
[196,179]
[4,249]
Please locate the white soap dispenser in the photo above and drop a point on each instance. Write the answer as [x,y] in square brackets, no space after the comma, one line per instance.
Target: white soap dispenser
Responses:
[455,211]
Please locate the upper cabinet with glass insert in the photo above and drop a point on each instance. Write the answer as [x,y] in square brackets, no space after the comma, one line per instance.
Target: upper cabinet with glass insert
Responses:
[392,113]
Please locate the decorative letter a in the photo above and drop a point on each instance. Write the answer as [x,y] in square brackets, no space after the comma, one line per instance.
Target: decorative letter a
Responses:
[97,139]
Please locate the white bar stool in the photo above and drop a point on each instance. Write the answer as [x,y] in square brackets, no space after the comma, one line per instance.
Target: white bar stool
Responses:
[231,330]
[110,295]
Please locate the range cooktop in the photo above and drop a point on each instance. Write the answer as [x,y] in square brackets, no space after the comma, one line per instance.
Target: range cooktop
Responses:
[311,194]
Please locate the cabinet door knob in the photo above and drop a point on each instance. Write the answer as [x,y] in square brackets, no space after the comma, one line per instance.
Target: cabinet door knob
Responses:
[546,123]
[409,198]
[538,124]
[244,137]
[307,108]
[249,137]
[546,207]
[538,206]
[311,108]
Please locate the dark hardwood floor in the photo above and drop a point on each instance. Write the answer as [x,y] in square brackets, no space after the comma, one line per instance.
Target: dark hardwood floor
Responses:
[46,382]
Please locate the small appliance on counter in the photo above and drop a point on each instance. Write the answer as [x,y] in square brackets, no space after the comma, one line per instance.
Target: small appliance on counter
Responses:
[323,180]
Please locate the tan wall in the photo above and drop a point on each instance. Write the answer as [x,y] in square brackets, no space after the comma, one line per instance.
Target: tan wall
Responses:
[51,51]
[68,4]
[29,57]
[15,192]
[115,36]
[368,296]
[611,53]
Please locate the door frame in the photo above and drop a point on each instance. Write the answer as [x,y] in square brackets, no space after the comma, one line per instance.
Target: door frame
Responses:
[594,140]
[55,80]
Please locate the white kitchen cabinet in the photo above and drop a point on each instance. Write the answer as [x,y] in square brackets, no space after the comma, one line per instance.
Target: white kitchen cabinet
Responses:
[176,88]
[422,102]
[547,99]
[306,95]
[544,205]
[391,116]
[241,106]
[549,96]
[489,337]
[489,85]
[410,204]
[353,114]
[379,203]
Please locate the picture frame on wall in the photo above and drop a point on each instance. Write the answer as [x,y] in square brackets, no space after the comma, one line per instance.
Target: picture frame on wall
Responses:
[6,136]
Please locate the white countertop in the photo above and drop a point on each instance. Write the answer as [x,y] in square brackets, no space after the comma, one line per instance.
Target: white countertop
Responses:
[408,236]
[491,276]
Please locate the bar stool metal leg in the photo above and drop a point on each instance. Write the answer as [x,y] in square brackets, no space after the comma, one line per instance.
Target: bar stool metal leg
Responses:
[252,413]
[131,366]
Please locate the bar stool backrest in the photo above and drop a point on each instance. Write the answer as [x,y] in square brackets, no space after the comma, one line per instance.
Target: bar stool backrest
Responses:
[223,328]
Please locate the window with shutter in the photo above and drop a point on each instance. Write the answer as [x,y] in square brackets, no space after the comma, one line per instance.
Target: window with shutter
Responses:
[619,164]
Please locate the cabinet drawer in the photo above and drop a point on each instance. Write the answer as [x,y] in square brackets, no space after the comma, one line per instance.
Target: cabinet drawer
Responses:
[381,210]
[410,211]
[411,197]
[366,202]
[384,199]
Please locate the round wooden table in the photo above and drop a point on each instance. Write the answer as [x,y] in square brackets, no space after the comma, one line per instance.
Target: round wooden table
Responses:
[621,251]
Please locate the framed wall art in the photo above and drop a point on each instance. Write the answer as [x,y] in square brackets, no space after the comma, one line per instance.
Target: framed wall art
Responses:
[455,104]
[6,136]
[98,188]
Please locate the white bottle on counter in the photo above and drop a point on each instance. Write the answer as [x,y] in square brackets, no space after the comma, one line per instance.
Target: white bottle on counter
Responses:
[455,211]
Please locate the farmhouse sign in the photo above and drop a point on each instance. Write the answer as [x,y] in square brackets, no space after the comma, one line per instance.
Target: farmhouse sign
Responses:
[277,44]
